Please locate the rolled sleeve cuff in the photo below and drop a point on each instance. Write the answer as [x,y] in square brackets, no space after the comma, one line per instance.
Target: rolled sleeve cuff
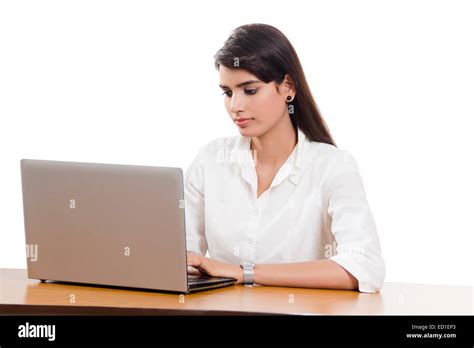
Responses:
[370,277]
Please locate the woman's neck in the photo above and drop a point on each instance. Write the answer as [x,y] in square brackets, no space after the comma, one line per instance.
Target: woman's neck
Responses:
[274,147]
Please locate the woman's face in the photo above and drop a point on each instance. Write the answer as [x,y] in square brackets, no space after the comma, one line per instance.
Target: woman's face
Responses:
[258,104]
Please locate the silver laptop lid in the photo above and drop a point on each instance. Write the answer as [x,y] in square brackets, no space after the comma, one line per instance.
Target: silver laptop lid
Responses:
[105,224]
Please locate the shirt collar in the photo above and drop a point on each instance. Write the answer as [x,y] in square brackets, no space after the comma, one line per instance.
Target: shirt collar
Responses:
[294,166]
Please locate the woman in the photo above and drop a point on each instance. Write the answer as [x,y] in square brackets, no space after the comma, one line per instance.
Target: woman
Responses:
[278,204]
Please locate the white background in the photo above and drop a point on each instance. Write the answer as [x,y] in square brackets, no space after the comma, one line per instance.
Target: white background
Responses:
[133,82]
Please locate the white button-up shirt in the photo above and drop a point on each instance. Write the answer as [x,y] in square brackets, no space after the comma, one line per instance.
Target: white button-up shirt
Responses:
[315,208]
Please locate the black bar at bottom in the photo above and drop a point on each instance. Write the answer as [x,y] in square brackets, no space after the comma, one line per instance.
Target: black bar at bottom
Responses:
[242,330]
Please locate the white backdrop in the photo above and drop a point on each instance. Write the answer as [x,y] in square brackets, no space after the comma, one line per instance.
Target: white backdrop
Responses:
[133,82]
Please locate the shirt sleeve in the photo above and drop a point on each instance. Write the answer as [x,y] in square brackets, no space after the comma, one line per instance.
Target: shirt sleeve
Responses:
[194,206]
[358,247]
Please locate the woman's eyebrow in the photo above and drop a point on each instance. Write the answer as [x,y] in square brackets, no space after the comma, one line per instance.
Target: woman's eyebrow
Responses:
[241,84]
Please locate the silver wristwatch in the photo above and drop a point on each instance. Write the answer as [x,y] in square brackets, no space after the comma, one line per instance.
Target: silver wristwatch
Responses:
[248,268]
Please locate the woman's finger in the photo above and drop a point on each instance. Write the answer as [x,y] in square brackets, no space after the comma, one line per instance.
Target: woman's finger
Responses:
[193,270]
[194,260]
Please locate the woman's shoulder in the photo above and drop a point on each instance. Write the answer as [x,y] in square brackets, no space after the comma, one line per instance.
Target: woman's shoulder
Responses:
[334,158]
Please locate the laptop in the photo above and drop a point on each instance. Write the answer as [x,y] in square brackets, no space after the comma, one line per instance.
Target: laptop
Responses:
[108,224]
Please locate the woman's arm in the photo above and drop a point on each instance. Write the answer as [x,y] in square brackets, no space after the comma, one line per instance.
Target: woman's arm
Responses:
[320,274]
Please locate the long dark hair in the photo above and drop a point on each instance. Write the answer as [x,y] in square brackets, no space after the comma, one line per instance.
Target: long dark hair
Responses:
[265,52]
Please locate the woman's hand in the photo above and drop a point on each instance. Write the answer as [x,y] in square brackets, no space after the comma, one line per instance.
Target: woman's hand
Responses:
[213,268]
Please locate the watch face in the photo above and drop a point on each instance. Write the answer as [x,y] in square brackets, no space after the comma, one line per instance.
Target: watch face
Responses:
[247,264]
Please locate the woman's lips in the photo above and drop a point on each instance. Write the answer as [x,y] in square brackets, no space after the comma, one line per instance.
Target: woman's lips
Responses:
[241,122]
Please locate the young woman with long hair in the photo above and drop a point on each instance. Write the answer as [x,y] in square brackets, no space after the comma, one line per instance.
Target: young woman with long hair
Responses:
[279,204]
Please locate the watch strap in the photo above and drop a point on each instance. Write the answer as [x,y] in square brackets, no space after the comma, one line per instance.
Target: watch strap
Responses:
[248,269]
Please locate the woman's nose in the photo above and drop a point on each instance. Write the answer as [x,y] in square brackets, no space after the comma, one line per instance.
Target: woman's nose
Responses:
[236,105]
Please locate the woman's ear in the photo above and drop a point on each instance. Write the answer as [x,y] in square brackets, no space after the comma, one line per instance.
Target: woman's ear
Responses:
[289,88]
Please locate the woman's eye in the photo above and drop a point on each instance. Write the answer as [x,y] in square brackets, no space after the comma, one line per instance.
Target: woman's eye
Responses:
[246,91]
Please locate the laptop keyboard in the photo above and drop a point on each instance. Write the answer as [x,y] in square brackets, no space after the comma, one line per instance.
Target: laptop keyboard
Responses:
[200,279]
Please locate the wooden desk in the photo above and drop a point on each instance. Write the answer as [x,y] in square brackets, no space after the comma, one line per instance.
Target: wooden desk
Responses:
[19,295]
